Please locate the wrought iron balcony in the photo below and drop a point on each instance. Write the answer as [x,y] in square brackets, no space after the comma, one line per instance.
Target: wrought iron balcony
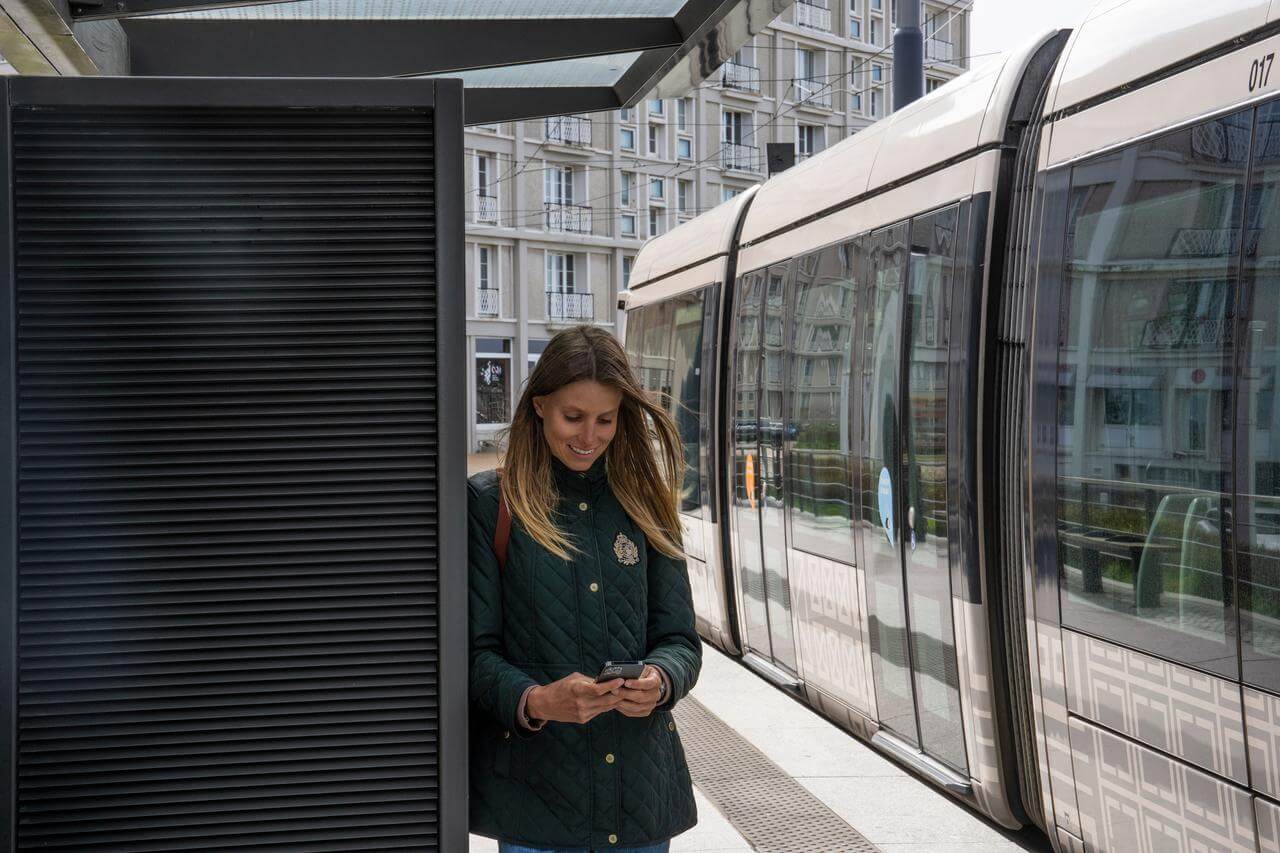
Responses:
[570,307]
[815,14]
[568,130]
[813,93]
[486,209]
[487,301]
[743,158]
[939,50]
[744,78]
[574,218]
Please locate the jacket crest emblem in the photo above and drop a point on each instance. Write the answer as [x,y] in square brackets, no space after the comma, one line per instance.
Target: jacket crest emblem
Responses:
[625,550]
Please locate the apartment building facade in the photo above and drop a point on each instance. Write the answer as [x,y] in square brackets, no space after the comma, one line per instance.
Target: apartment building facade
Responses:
[557,208]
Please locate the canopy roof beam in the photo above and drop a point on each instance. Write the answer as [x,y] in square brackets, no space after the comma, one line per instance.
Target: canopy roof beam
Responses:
[201,47]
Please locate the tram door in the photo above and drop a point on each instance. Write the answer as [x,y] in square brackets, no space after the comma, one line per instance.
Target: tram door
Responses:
[910,272]
[757,512]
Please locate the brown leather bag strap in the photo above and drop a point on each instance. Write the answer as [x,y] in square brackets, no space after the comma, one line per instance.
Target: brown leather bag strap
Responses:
[502,533]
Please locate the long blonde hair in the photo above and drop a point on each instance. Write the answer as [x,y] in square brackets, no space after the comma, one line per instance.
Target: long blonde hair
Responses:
[643,462]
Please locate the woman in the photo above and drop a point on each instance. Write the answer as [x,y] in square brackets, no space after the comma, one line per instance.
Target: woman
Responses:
[592,572]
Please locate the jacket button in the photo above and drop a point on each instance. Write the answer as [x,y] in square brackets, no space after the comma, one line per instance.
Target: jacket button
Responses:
[671,727]
[506,735]
[608,759]
[583,506]
[595,587]
[613,839]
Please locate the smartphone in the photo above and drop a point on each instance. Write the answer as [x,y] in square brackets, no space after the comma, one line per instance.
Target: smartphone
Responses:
[620,669]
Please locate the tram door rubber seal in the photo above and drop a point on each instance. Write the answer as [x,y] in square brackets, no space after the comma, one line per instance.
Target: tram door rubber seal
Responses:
[232,608]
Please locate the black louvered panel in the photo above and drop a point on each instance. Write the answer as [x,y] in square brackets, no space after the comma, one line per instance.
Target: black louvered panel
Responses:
[227,498]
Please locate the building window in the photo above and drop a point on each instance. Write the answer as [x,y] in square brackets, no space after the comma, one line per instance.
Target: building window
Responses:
[735,127]
[536,347]
[877,72]
[855,29]
[874,29]
[655,107]
[656,189]
[627,114]
[931,83]
[806,64]
[653,139]
[855,101]
[557,185]
[559,272]
[493,380]
[628,139]
[655,222]
[877,102]
[808,140]
[628,221]
[684,189]
[727,193]
[487,294]
[877,5]
[684,107]
[627,195]
[627,262]
[482,268]
[684,148]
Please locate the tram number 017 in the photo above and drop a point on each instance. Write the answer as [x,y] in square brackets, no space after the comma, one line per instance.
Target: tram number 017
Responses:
[1260,71]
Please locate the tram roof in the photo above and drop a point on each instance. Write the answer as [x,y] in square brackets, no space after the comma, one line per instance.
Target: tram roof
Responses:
[1121,42]
[704,241]
[951,122]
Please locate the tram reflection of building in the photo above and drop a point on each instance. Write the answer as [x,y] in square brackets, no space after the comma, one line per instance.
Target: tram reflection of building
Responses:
[1147,397]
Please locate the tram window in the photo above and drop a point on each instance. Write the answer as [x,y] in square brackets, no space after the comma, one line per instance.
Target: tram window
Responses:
[819,439]
[686,401]
[655,354]
[1145,361]
[1257,473]
[635,337]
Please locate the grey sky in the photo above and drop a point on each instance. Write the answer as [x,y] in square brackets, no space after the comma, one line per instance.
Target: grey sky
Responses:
[997,25]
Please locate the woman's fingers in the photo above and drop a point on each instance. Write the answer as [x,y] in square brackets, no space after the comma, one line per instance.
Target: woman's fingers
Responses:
[635,709]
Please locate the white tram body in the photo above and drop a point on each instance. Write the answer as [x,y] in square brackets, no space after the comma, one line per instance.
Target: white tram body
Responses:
[978,410]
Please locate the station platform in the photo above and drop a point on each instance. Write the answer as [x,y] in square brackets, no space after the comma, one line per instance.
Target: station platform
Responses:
[771,775]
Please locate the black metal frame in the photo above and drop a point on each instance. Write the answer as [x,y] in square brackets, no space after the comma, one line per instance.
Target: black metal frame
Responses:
[445,97]
[199,47]
[8,501]
[676,52]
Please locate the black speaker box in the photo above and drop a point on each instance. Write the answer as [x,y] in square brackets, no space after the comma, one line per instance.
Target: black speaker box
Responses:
[229,429]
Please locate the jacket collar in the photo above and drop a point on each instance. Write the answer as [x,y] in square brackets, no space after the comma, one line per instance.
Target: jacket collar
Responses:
[575,482]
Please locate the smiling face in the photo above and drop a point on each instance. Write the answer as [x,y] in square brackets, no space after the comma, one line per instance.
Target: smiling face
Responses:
[579,421]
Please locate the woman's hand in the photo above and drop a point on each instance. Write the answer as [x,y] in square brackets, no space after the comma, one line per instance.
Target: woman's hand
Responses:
[639,696]
[573,699]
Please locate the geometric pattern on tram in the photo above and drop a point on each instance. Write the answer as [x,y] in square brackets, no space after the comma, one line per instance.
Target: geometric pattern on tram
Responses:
[1262,721]
[1191,715]
[1133,798]
[1268,815]
[829,614]
[1053,687]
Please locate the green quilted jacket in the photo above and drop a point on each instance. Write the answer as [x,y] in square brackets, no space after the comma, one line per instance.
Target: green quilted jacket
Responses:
[616,781]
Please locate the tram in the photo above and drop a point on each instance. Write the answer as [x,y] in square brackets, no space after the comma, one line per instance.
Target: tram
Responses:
[982,432]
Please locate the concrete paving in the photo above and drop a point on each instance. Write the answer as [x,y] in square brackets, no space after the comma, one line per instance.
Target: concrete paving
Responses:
[893,809]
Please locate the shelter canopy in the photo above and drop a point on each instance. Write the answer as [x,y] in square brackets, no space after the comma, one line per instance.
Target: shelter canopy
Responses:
[518,58]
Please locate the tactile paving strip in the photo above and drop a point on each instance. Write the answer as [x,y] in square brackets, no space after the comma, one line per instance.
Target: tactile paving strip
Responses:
[772,811]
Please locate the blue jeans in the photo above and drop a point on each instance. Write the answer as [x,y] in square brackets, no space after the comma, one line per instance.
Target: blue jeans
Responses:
[504,847]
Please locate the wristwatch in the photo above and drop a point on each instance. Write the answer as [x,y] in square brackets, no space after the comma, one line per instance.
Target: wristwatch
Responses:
[662,689]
